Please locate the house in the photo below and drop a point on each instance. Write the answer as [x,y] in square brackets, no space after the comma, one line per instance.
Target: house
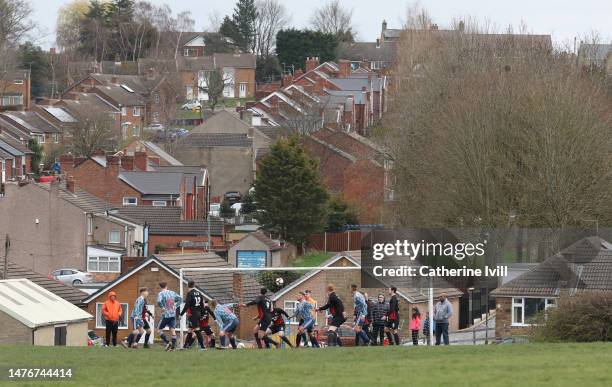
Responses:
[131,180]
[169,231]
[593,55]
[379,55]
[68,113]
[15,90]
[30,314]
[256,249]
[15,159]
[355,169]
[223,286]
[35,126]
[316,280]
[584,266]
[227,146]
[58,225]
[155,154]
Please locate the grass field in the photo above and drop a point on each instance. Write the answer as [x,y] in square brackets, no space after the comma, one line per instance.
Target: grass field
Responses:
[505,365]
[312,259]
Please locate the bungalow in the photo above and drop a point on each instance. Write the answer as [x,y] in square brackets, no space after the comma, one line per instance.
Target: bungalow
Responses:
[225,287]
[584,266]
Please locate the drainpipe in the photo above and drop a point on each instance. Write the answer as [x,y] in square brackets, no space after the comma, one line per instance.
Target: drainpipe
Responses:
[145,240]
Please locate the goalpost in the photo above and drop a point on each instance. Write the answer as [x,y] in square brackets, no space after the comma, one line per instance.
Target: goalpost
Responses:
[283,284]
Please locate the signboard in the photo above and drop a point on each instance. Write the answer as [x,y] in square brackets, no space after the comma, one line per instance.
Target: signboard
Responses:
[253,258]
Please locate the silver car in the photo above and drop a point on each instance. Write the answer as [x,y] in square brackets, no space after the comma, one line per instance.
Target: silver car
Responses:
[71,276]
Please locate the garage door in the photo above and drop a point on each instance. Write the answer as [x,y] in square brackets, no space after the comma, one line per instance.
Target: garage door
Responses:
[252,258]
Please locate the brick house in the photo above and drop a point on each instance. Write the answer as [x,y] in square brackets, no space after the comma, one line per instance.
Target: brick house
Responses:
[168,231]
[57,226]
[317,280]
[225,287]
[67,113]
[15,159]
[15,90]
[35,126]
[155,154]
[584,266]
[132,180]
[354,168]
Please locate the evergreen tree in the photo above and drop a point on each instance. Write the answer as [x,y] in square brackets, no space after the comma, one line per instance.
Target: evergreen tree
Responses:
[226,210]
[37,156]
[339,214]
[34,58]
[229,29]
[290,197]
[294,46]
[248,204]
[244,17]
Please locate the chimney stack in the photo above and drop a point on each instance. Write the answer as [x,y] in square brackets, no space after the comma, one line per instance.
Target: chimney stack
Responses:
[384,25]
[140,160]
[112,165]
[312,63]
[345,68]
[298,73]
[377,42]
[66,164]
[71,184]
[287,79]
[127,163]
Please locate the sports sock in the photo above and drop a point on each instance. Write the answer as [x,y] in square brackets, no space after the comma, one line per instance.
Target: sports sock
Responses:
[397,338]
[223,341]
[138,337]
[147,337]
[298,338]
[286,340]
[188,340]
[338,341]
[164,338]
[357,339]
[269,340]
[331,338]
[314,341]
[390,338]
[130,339]
[212,342]
[174,341]
[305,339]
[200,338]
[258,341]
[233,342]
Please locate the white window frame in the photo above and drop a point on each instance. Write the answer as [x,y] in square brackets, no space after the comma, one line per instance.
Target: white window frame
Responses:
[18,82]
[159,203]
[136,131]
[124,111]
[136,111]
[519,302]
[127,199]
[98,260]
[156,98]
[41,138]
[55,138]
[123,322]
[112,240]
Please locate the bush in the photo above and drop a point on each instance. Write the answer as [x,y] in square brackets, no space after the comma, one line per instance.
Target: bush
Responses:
[585,317]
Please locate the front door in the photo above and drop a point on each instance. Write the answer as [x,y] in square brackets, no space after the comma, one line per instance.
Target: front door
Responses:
[243,90]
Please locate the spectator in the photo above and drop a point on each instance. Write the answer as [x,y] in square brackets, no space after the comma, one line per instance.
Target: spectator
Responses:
[379,319]
[415,325]
[111,310]
[443,310]
[426,323]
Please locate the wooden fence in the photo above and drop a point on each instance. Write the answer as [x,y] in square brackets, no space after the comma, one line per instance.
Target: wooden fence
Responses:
[336,241]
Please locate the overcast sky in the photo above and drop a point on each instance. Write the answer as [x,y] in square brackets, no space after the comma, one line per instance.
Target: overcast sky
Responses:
[564,19]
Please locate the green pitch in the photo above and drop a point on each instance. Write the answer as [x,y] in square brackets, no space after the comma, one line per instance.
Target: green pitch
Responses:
[507,365]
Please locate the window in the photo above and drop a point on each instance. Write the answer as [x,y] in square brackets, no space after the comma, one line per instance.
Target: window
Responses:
[114,236]
[159,203]
[124,111]
[129,201]
[55,137]
[103,264]
[136,111]
[18,81]
[156,98]
[101,323]
[41,138]
[136,131]
[524,310]
[89,225]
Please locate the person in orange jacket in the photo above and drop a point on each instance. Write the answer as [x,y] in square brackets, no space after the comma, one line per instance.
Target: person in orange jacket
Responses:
[111,310]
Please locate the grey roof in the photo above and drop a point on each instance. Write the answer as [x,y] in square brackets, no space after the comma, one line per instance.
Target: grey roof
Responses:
[187,170]
[68,293]
[272,244]
[352,83]
[153,183]
[595,52]
[13,131]
[5,155]
[218,285]
[392,33]
[368,51]
[161,153]
[60,114]
[210,140]
[12,147]
[31,121]
[121,95]
[167,221]
[585,265]
[80,198]
[218,61]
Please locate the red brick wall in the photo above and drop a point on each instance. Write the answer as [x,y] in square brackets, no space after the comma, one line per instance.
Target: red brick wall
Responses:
[247,76]
[331,164]
[364,190]
[102,182]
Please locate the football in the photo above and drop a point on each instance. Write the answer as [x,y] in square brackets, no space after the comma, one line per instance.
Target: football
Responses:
[280,281]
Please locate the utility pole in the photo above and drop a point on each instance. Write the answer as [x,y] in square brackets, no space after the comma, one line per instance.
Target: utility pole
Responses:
[7,245]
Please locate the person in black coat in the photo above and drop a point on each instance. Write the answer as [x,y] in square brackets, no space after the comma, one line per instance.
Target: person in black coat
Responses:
[336,309]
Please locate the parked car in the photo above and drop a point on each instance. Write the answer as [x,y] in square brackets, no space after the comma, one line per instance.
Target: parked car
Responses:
[71,276]
[154,127]
[233,197]
[215,209]
[192,105]
[94,340]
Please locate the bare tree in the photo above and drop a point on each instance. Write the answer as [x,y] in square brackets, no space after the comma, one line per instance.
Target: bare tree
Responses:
[271,17]
[95,130]
[496,130]
[333,18]
[182,23]
[215,82]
